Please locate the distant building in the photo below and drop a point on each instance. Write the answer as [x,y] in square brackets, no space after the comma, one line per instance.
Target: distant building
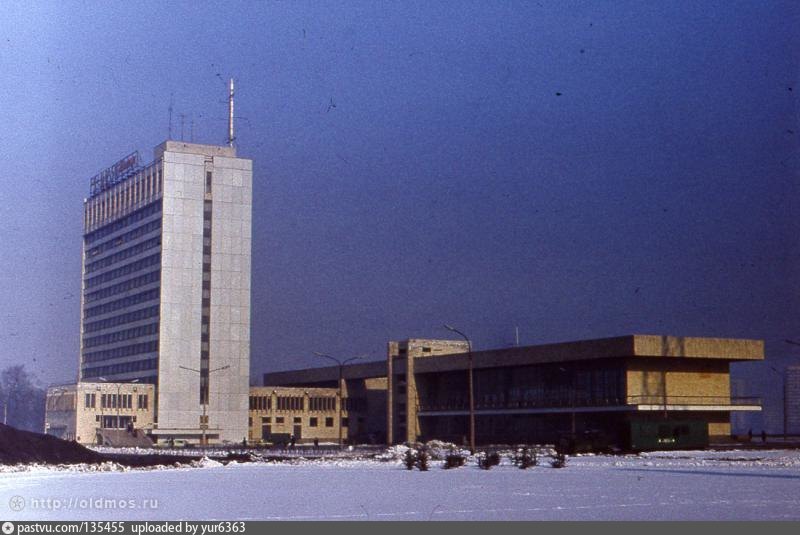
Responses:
[166,287]
[307,415]
[100,413]
[793,400]
[364,405]
[622,387]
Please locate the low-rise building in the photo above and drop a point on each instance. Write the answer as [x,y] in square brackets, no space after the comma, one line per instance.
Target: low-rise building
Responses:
[363,389]
[97,413]
[621,387]
[637,391]
[279,415]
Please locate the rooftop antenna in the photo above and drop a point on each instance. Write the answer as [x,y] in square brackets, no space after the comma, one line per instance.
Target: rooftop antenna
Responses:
[169,131]
[230,115]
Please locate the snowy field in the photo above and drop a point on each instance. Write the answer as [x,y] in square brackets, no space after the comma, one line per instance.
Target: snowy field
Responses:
[729,485]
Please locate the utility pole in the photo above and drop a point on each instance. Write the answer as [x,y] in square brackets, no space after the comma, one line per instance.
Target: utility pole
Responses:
[341,364]
[470,387]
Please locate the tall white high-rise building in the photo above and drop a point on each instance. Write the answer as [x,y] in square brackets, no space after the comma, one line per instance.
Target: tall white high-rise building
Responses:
[166,286]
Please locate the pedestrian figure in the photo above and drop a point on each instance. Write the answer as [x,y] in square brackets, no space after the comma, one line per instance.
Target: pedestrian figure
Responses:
[763,436]
[316,443]
[750,435]
[291,441]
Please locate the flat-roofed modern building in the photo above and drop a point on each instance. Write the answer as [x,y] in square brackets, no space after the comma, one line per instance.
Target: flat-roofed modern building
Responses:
[119,414]
[637,391]
[364,404]
[166,286]
[538,393]
[307,415]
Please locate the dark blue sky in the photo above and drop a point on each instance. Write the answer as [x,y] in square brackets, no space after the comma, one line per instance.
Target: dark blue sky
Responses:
[582,169]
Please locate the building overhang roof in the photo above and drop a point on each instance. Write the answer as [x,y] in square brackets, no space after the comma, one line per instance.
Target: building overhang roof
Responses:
[631,346]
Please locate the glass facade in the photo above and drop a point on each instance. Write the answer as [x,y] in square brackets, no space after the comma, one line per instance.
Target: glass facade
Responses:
[598,384]
[121,280]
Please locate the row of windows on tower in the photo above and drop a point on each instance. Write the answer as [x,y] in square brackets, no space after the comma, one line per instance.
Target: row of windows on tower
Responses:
[127,269]
[205,312]
[126,367]
[122,319]
[124,286]
[120,240]
[113,199]
[125,302]
[120,336]
[123,222]
[124,254]
[119,352]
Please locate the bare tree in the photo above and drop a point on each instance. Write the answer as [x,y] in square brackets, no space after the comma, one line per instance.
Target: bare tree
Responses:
[21,400]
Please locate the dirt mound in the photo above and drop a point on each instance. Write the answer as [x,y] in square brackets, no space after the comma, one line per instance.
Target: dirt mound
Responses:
[26,447]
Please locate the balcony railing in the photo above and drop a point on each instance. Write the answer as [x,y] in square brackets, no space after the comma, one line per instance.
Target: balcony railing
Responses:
[583,402]
[655,399]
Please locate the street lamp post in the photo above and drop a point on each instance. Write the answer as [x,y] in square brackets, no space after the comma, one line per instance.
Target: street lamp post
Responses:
[341,364]
[204,424]
[470,387]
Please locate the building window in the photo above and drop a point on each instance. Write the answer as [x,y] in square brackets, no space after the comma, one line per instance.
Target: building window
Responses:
[279,419]
[250,421]
[208,181]
[291,403]
[426,350]
[89,401]
[312,422]
[266,420]
[298,420]
[329,422]
[345,421]
[321,403]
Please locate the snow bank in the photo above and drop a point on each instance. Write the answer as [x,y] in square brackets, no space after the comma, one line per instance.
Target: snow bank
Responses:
[205,462]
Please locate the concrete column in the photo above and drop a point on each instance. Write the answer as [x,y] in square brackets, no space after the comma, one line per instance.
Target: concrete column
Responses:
[391,351]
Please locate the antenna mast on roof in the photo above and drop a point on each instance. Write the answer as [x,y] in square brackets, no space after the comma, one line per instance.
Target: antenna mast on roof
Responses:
[169,131]
[230,115]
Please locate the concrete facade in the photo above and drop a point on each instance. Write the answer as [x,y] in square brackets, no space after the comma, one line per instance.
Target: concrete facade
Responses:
[364,384]
[166,293]
[401,411]
[78,411]
[307,414]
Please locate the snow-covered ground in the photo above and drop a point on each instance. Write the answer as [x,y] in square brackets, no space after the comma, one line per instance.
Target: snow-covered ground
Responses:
[661,485]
